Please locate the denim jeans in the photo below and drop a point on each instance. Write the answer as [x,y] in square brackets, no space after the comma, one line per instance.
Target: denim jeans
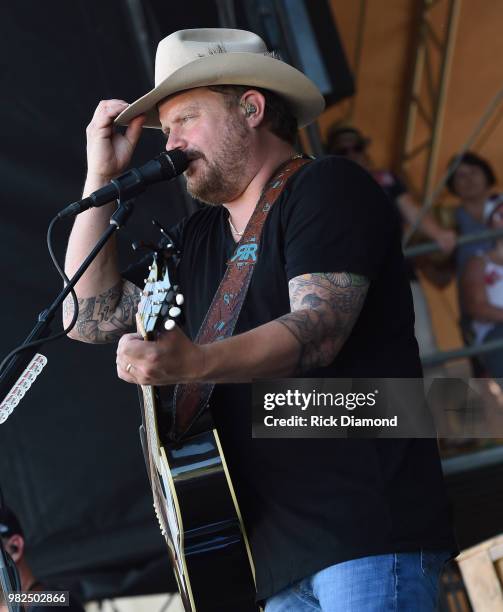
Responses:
[397,582]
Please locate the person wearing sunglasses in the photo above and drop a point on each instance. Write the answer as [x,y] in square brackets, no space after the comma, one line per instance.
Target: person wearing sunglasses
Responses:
[349,142]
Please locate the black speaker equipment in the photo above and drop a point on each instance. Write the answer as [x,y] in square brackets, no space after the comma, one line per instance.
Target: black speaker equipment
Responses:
[304,34]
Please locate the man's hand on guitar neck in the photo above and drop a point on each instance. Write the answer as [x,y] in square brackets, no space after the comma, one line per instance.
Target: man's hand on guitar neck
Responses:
[325,307]
[170,358]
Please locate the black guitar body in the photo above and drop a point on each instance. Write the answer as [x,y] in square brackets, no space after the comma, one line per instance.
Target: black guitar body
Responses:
[193,494]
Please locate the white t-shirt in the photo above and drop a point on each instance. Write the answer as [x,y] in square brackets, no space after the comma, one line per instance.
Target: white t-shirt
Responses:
[493,280]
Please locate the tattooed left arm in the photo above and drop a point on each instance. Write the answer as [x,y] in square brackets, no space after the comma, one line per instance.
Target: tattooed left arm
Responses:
[325,307]
[324,310]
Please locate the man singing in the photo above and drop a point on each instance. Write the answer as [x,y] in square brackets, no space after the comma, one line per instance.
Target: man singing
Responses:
[334,524]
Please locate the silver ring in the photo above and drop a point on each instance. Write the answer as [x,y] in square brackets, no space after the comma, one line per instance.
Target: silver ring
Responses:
[128,367]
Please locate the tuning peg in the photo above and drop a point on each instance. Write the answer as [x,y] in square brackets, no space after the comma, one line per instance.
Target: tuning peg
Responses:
[179,299]
[169,324]
[174,312]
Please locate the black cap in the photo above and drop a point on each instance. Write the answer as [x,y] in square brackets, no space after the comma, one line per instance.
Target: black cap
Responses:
[9,523]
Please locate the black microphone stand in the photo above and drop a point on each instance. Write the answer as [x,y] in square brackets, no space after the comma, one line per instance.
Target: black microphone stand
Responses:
[18,363]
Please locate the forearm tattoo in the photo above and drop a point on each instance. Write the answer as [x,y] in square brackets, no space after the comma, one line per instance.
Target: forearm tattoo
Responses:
[325,307]
[106,317]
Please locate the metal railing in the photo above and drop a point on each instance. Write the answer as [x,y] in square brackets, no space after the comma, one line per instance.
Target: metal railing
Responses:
[432,247]
[467,351]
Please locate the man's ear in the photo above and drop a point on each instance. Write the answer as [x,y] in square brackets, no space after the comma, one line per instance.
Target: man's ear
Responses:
[15,547]
[252,104]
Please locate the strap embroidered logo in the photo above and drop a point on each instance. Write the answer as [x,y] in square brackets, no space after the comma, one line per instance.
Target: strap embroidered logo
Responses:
[246,253]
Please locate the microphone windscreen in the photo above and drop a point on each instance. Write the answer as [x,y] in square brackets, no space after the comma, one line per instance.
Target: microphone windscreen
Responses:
[177,160]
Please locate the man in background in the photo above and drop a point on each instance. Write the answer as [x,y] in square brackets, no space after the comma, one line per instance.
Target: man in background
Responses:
[13,542]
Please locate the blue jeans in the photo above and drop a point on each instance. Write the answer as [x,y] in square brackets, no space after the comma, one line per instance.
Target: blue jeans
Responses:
[397,582]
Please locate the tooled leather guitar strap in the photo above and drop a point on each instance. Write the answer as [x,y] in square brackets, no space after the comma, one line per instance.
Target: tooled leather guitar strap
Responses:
[220,320]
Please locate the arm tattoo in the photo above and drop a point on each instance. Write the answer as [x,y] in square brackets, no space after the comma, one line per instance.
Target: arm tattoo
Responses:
[325,307]
[106,317]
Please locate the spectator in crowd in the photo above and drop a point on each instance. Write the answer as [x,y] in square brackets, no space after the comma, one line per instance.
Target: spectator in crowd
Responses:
[14,544]
[350,142]
[471,182]
[482,291]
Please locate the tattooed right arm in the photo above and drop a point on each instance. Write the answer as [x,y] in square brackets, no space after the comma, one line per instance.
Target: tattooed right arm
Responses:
[105,317]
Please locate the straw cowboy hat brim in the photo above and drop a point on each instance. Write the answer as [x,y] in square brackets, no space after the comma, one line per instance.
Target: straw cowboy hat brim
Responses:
[251,69]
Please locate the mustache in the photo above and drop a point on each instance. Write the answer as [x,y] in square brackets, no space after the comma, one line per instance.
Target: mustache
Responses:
[192,154]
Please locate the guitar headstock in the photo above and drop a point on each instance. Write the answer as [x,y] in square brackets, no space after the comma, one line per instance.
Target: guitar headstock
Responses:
[161,300]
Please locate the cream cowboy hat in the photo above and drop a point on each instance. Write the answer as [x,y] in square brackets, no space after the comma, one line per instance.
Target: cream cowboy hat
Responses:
[221,56]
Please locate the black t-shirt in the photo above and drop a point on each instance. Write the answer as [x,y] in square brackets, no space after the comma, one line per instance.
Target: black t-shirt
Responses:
[307,503]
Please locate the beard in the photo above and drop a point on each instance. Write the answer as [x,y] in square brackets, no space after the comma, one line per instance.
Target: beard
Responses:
[224,177]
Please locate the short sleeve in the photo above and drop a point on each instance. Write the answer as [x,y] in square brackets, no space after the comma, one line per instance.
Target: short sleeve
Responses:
[336,218]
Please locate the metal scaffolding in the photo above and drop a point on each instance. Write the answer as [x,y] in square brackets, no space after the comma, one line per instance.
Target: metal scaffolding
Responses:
[433,58]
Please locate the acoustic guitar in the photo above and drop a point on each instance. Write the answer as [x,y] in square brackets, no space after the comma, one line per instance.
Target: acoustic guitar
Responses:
[194,499]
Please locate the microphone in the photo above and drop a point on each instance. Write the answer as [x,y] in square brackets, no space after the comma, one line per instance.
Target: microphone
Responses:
[165,166]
